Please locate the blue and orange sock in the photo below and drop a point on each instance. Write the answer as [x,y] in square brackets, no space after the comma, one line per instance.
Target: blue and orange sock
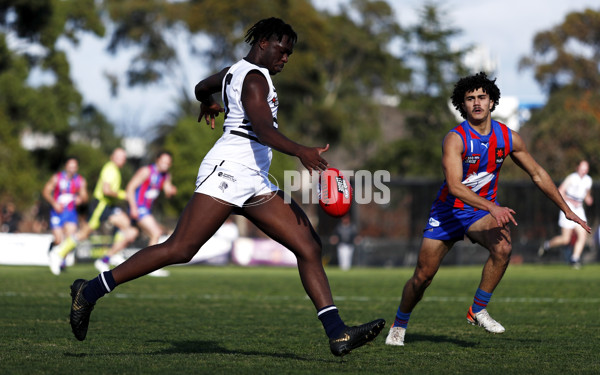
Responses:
[480,301]
[330,318]
[401,319]
[99,286]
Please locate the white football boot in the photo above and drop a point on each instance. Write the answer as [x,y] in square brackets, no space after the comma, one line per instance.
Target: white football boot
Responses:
[54,262]
[116,259]
[395,336]
[483,319]
[159,273]
[101,266]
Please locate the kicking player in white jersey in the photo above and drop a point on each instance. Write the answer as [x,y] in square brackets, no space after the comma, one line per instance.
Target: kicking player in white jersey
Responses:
[234,177]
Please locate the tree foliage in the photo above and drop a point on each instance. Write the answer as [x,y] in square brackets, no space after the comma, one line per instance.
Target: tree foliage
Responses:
[339,65]
[566,62]
[568,54]
[427,116]
[33,29]
[344,68]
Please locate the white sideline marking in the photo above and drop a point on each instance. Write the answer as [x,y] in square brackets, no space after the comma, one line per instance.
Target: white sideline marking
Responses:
[336,298]
[516,299]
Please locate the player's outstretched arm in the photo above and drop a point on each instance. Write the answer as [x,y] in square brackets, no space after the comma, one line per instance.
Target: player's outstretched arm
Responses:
[542,179]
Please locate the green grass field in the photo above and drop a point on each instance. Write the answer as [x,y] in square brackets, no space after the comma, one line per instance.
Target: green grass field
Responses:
[230,320]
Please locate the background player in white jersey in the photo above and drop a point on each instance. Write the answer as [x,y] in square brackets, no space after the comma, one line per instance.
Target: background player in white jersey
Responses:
[576,190]
[234,177]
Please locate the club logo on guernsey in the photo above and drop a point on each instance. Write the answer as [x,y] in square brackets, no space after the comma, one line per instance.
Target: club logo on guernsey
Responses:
[499,155]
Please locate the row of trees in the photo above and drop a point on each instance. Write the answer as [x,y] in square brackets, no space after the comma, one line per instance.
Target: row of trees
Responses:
[343,68]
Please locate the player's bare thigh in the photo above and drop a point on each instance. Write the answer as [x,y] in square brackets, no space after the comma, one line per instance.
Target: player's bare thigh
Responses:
[488,234]
[120,219]
[150,226]
[201,218]
[69,229]
[282,221]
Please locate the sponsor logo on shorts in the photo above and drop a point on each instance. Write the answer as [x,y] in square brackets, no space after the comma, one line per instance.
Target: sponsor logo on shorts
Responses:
[433,222]
[223,185]
[226,176]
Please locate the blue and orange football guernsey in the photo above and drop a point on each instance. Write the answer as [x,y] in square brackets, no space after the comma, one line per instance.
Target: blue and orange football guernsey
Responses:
[482,157]
[65,193]
[66,189]
[149,190]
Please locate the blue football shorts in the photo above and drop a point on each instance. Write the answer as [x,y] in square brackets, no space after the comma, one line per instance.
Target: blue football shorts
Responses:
[58,220]
[449,223]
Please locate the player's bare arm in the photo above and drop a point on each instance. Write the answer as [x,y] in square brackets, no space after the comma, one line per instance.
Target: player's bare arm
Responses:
[254,94]
[168,187]
[452,166]
[138,179]
[82,195]
[589,199]
[541,178]
[204,90]
[47,193]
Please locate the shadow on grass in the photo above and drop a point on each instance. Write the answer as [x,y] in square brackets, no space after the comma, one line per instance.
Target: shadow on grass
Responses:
[206,347]
[440,339]
[213,347]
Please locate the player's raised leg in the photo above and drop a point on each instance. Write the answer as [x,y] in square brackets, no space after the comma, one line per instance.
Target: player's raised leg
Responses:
[287,224]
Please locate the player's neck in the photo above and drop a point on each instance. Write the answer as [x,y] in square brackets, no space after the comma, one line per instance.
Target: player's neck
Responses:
[483,127]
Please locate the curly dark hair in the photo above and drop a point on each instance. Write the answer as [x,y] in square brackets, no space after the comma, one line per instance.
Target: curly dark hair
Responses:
[267,28]
[472,83]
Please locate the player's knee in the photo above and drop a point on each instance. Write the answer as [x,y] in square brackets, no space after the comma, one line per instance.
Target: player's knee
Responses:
[156,233]
[309,253]
[181,251]
[132,233]
[502,251]
[422,279]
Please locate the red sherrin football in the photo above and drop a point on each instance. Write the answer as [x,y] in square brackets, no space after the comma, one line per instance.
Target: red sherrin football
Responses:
[335,193]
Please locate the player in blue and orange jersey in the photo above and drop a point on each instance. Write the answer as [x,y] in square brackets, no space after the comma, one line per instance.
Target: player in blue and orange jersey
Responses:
[65,191]
[144,188]
[466,205]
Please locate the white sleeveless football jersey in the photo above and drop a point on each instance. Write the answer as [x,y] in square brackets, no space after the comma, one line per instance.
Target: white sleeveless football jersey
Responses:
[577,186]
[239,143]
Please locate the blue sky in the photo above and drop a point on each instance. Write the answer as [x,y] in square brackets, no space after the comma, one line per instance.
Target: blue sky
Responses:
[504,28]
